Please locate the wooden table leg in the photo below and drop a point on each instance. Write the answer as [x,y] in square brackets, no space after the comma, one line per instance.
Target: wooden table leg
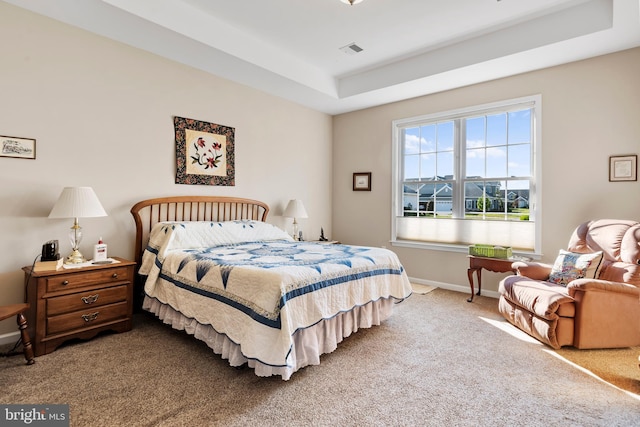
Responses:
[26,341]
[470,276]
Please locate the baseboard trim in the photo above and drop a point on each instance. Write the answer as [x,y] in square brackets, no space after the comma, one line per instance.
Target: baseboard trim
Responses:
[10,338]
[453,287]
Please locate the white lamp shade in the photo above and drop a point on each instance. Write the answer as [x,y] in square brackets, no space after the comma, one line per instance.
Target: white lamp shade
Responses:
[77,202]
[351,2]
[295,209]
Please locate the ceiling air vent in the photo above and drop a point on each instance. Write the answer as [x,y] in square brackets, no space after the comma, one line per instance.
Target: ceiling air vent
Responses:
[351,49]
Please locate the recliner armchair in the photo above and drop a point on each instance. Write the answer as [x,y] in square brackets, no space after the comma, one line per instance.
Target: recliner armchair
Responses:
[601,311]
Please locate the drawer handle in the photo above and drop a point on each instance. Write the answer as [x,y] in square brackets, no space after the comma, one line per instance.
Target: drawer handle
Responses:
[114,276]
[90,317]
[90,299]
[65,283]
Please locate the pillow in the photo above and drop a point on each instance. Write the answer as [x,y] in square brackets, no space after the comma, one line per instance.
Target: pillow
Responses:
[167,236]
[570,266]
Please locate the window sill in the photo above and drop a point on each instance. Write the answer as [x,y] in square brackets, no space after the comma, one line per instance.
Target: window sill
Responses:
[442,247]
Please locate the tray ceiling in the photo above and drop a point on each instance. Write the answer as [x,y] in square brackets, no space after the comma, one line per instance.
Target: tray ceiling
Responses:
[336,58]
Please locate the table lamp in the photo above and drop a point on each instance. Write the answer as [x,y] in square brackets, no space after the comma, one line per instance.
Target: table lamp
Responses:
[77,202]
[295,209]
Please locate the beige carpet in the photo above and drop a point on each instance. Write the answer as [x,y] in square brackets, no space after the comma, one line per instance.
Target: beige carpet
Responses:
[619,367]
[437,361]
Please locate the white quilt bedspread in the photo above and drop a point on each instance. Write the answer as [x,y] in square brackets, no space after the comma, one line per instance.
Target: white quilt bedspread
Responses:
[252,283]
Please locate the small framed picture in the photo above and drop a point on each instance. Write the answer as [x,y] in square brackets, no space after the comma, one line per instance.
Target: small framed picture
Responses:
[362,181]
[20,148]
[623,168]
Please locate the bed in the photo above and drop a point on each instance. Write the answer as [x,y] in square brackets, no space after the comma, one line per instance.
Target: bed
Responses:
[215,268]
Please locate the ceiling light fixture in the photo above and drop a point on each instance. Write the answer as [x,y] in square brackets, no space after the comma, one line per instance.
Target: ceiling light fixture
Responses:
[351,2]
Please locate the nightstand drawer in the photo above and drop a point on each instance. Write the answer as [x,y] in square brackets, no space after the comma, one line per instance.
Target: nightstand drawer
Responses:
[78,280]
[86,318]
[86,300]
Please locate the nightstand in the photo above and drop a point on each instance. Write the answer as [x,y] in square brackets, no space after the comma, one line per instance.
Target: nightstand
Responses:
[78,303]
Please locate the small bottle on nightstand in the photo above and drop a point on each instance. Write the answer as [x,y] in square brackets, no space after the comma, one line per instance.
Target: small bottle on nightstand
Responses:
[100,251]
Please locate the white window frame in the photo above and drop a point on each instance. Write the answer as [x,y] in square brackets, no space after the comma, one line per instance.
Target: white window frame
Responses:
[535,194]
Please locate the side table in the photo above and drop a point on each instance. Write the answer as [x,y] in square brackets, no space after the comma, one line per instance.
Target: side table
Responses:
[79,303]
[476,264]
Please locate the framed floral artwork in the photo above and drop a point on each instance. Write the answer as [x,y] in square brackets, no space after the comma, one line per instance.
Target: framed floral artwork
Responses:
[204,153]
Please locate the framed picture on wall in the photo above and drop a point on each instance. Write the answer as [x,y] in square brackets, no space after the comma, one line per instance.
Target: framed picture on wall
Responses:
[20,148]
[623,168]
[362,181]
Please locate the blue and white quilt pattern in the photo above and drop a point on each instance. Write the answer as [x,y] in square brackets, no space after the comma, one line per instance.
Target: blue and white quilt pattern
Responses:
[259,292]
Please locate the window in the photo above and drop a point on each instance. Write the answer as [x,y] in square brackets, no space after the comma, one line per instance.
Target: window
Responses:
[469,176]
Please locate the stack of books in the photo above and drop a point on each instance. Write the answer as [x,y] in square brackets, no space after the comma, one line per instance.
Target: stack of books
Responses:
[48,265]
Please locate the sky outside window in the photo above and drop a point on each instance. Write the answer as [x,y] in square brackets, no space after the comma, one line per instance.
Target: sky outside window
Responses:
[497,146]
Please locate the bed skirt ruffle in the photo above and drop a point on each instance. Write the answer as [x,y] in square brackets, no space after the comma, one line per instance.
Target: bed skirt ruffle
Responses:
[309,343]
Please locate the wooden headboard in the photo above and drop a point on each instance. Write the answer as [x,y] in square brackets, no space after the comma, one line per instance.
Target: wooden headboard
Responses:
[148,213]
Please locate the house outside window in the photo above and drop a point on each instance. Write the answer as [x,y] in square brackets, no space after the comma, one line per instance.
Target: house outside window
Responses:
[469,176]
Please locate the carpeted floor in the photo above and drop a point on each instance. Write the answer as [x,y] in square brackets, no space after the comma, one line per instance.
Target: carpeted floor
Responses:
[437,361]
[619,367]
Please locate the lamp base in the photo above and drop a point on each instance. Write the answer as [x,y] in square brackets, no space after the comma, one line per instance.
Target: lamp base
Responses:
[295,230]
[75,258]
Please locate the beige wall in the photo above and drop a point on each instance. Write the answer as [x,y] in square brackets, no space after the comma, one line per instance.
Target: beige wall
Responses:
[102,115]
[590,111]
